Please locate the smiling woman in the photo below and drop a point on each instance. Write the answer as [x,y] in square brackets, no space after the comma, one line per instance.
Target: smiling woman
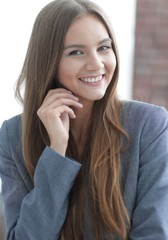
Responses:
[79,162]
[22,14]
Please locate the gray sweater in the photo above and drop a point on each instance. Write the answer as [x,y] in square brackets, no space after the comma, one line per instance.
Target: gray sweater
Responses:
[38,212]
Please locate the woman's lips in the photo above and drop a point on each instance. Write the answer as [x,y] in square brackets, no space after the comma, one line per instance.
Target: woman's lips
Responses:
[92,79]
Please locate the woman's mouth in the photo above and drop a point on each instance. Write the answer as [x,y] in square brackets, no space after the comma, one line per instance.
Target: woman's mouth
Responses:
[91,79]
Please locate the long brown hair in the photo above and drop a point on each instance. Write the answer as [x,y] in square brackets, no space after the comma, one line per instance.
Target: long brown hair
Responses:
[98,185]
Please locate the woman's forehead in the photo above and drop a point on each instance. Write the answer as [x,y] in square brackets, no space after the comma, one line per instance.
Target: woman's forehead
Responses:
[86,27]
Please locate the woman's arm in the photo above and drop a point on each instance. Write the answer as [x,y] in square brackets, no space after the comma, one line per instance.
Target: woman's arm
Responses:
[40,213]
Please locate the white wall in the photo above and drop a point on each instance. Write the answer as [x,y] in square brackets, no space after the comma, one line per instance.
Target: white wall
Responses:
[16,21]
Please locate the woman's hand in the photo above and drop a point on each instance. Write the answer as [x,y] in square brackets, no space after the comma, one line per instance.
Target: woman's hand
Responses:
[54,113]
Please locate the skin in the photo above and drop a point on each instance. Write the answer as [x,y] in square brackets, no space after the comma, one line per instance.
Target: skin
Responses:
[87,56]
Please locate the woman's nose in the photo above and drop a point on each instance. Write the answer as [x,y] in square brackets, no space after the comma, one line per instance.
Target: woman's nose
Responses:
[94,62]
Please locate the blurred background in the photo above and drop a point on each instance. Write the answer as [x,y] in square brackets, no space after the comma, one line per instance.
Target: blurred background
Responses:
[150,71]
[140,27]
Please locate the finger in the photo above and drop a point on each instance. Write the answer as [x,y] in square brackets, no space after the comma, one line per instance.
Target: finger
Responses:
[60,102]
[65,101]
[54,97]
[53,113]
[57,112]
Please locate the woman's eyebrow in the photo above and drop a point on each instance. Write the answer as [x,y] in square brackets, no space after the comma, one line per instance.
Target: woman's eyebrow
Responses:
[106,40]
[84,46]
[74,46]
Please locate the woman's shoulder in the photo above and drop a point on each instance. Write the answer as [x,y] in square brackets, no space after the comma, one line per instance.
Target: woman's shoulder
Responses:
[136,114]
[10,130]
[13,122]
[137,107]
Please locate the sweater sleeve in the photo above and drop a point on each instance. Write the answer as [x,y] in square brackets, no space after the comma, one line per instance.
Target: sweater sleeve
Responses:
[38,214]
[150,216]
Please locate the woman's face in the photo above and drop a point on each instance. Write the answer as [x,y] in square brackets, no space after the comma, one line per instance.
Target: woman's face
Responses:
[88,61]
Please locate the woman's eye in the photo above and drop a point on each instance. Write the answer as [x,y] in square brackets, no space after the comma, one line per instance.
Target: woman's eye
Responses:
[104,48]
[75,53]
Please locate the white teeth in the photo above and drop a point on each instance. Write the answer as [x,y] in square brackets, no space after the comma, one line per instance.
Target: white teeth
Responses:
[92,79]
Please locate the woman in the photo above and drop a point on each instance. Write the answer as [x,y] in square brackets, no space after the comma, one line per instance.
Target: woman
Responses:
[79,163]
